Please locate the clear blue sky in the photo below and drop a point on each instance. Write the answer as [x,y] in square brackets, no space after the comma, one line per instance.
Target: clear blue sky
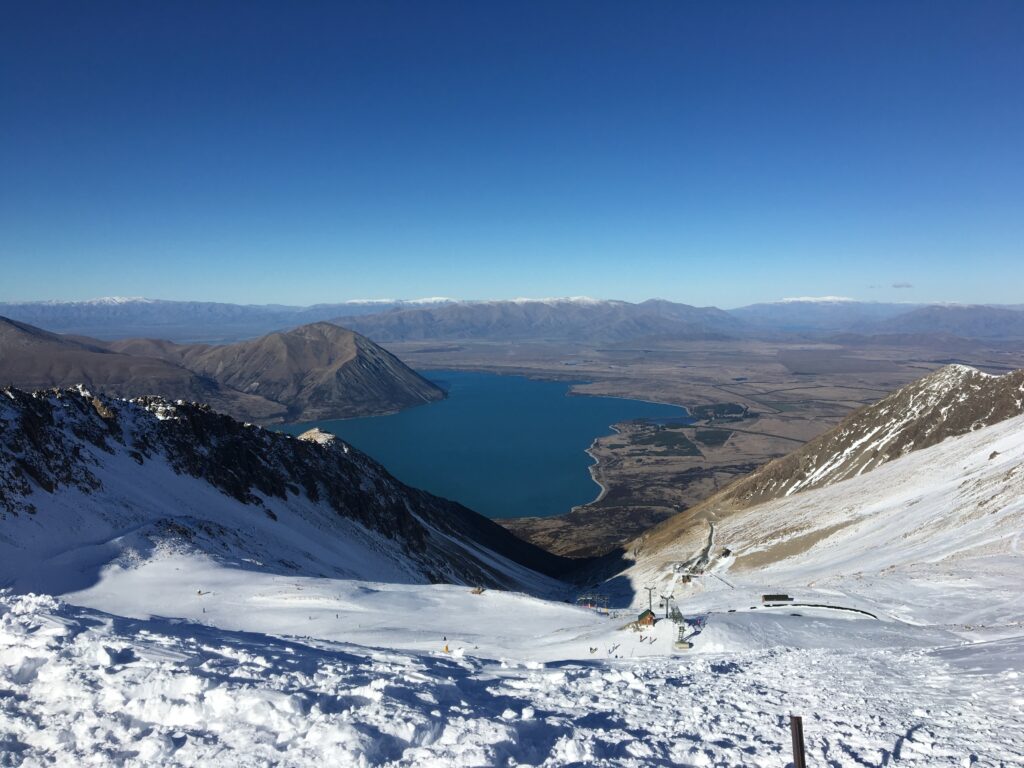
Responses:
[712,153]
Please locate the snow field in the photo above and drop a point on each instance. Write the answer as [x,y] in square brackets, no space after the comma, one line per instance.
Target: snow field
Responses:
[312,641]
[85,688]
[931,539]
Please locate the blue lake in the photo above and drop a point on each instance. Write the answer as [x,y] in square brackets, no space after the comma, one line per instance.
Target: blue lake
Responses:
[504,446]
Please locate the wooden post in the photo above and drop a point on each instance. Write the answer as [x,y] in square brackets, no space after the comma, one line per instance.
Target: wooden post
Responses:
[796,727]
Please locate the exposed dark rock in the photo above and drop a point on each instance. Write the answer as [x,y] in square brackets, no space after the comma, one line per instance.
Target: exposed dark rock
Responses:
[49,442]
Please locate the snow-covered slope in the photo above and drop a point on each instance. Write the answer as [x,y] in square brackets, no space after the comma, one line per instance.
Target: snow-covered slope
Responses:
[951,401]
[277,669]
[90,481]
[194,646]
[932,539]
[87,688]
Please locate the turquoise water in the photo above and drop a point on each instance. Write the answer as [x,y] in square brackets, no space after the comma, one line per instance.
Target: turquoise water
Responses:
[505,446]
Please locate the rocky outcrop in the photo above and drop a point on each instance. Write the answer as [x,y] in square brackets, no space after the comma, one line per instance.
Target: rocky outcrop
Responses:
[59,443]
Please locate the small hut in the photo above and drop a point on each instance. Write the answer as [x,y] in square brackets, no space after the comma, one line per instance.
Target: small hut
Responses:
[646,619]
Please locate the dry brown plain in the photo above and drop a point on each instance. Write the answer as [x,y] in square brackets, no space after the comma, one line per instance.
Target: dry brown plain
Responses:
[791,392]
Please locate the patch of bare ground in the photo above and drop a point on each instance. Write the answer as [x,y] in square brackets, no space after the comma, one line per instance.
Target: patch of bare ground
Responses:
[791,545]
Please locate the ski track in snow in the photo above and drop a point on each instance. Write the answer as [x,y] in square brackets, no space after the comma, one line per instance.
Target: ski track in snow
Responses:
[79,687]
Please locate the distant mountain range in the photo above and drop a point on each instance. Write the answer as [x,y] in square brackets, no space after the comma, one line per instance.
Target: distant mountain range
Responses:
[311,372]
[185,321]
[972,322]
[549,320]
[576,319]
[818,315]
[842,316]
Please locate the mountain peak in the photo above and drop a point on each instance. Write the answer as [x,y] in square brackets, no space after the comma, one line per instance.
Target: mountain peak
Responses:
[321,328]
[950,401]
[954,373]
[313,371]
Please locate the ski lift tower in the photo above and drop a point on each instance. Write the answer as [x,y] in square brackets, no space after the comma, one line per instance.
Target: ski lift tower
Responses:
[595,601]
[650,598]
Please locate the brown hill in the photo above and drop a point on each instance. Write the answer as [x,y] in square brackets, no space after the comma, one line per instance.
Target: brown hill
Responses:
[318,371]
[312,372]
[33,358]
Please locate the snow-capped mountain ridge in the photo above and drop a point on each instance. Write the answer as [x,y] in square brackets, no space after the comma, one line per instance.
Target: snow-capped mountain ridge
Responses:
[424,300]
[864,476]
[86,480]
[951,401]
[109,300]
[447,317]
[100,301]
[574,319]
[552,300]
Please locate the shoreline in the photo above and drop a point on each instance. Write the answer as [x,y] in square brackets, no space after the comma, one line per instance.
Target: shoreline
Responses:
[593,473]
[573,393]
[570,391]
[594,466]
[593,476]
